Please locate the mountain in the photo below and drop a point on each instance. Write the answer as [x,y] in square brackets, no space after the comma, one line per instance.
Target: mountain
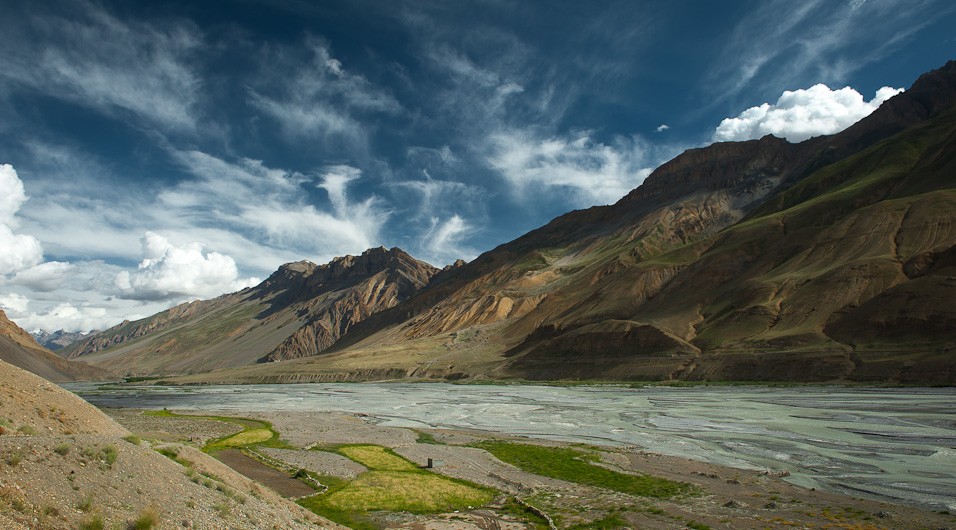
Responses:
[300,310]
[830,259]
[827,260]
[18,348]
[67,465]
[58,339]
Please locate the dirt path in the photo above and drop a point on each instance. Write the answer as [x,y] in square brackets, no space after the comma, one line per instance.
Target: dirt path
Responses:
[263,474]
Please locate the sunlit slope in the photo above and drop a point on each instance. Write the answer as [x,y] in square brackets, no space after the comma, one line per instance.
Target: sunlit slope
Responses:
[826,260]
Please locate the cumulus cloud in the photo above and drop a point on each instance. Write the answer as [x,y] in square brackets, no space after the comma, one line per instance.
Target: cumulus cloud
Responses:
[19,251]
[662,127]
[801,114]
[169,272]
[591,172]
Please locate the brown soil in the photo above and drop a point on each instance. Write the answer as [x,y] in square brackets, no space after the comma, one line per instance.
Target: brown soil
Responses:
[270,477]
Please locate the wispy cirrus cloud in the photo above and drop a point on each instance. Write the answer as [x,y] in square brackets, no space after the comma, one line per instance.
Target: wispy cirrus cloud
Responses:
[587,171]
[780,42]
[445,240]
[81,53]
[316,95]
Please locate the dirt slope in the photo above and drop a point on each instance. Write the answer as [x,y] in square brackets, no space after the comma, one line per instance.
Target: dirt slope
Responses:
[64,463]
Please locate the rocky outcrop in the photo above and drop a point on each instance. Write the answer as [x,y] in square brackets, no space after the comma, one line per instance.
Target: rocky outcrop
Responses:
[377,280]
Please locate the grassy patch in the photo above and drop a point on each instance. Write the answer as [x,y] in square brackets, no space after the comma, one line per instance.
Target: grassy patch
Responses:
[391,484]
[247,437]
[577,466]
[427,438]
[254,432]
[14,457]
[377,458]
[148,518]
[400,491]
[611,522]
[62,449]
[27,430]
[524,512]
[85,505]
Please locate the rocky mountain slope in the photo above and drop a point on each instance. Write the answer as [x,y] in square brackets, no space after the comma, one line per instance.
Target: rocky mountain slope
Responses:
[831,259]
[67,465]
[299,311]
[18,348]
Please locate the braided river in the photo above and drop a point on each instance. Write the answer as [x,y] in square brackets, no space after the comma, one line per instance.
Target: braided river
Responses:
[890,444]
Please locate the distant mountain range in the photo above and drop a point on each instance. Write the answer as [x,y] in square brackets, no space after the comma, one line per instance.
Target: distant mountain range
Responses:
[58,339]
[828,260]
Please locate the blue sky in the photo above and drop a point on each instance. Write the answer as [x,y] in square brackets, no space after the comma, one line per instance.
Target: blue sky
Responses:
[157,152]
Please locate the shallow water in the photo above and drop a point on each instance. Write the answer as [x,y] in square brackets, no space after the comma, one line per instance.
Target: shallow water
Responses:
[885,443]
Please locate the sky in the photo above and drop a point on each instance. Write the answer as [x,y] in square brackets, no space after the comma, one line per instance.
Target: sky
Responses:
[153,153]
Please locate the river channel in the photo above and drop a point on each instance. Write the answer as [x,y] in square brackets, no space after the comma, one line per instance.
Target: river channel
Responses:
[896,444]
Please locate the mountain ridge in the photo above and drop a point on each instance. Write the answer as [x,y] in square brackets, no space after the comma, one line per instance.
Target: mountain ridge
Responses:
[260,323]
[760,260]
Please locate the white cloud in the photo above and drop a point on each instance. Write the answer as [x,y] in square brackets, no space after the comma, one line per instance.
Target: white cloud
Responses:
[801,114]
[45,277]
[266,212]
[171,272]
[17,251]
[318,97]
[13,303]
[83,54]
[443,240]
[590,172]
[335,181]
[66,316]
[662,127]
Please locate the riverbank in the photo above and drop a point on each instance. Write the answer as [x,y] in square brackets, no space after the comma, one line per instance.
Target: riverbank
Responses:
[719,496]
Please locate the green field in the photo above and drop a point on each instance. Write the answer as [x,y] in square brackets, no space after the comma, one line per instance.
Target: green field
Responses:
[393,484]
[578,466]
